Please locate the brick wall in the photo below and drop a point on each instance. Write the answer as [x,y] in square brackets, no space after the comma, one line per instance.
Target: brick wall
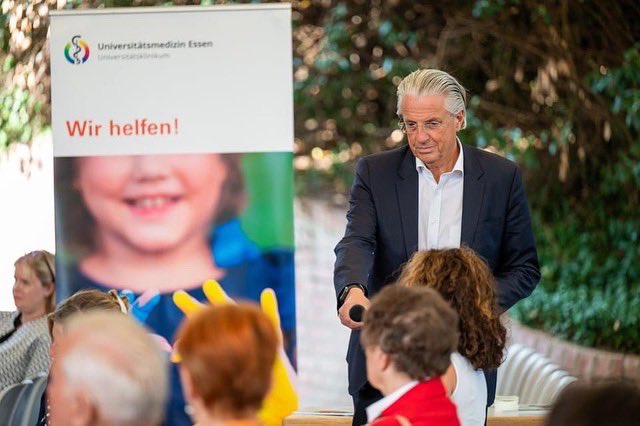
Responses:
[588,364]
[322,340]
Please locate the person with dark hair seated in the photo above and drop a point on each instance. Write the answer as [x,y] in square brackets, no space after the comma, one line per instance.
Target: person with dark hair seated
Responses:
[24,340]
[228,353]
[611,404]
[408,336]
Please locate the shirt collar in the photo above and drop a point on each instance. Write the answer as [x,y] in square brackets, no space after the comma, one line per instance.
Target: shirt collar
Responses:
[458,166]
[375,410]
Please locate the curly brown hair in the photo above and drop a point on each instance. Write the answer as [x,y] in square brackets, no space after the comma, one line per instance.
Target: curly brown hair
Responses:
[415,327]
[466,282]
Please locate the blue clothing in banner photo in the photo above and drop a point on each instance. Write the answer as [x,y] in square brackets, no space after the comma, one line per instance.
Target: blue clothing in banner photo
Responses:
[245,281]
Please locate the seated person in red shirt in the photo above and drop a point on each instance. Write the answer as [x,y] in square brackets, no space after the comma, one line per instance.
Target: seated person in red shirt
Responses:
[408,336]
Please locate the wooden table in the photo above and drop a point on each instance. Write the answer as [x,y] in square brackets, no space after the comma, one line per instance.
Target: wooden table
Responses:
[525,416]
[343,418]
[316,420]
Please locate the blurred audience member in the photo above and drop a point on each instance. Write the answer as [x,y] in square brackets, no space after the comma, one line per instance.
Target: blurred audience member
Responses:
[107,371]
[408,336]
[612,404]
[227,354]
[24,337]
[465,281]
[82,302]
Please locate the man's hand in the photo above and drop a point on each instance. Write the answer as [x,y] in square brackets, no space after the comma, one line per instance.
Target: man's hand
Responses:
[355,296]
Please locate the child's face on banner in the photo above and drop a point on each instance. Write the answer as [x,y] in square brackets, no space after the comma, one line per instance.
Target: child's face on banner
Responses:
[151,203]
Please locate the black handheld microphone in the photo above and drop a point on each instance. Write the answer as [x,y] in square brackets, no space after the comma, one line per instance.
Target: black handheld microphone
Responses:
[356,313]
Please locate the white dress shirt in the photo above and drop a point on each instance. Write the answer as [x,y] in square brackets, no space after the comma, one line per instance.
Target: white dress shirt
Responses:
[375,410]
[440,206]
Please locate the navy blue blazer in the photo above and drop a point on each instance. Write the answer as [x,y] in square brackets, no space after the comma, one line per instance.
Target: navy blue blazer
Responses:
[382,230]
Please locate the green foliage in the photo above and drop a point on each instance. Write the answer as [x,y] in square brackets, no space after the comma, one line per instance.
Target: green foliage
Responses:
[554,86]
[623,86]
[590,287]
[590,290]
[605,318]
[15,120]
[551,87]
[269,204]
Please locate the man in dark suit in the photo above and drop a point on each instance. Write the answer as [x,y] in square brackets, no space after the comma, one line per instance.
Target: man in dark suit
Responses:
[432,193]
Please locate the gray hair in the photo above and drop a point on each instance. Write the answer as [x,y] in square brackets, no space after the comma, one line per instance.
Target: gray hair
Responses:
[120,368]
[424,82]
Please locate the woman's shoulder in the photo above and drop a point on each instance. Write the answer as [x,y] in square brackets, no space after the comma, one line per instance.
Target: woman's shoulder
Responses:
[35,332]
[462,364]
[7,322]
[465,372]
[40,327]
[470,394]
[7,317]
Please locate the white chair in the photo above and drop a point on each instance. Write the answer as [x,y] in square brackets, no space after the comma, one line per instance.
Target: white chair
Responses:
[528,373]
[510,372]
[531,376]
[510,352]
[555,383]
[532,390]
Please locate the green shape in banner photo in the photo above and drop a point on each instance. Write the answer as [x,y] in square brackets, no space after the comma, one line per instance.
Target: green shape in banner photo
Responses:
[268,219]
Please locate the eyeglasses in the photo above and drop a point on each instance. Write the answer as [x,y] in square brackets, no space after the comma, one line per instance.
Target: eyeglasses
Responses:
[411,127]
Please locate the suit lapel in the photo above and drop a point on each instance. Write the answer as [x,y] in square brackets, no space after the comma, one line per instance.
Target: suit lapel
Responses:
[407,191]
[472,195]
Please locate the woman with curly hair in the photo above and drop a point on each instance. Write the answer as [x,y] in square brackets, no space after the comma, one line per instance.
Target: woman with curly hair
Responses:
[465,281]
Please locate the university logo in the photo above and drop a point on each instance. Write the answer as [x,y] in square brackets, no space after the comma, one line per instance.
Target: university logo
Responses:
[77,51]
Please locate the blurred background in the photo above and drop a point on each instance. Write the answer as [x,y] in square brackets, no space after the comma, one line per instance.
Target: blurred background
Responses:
[553,86]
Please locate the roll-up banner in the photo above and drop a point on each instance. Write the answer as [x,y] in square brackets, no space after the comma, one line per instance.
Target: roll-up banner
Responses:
[172,137]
